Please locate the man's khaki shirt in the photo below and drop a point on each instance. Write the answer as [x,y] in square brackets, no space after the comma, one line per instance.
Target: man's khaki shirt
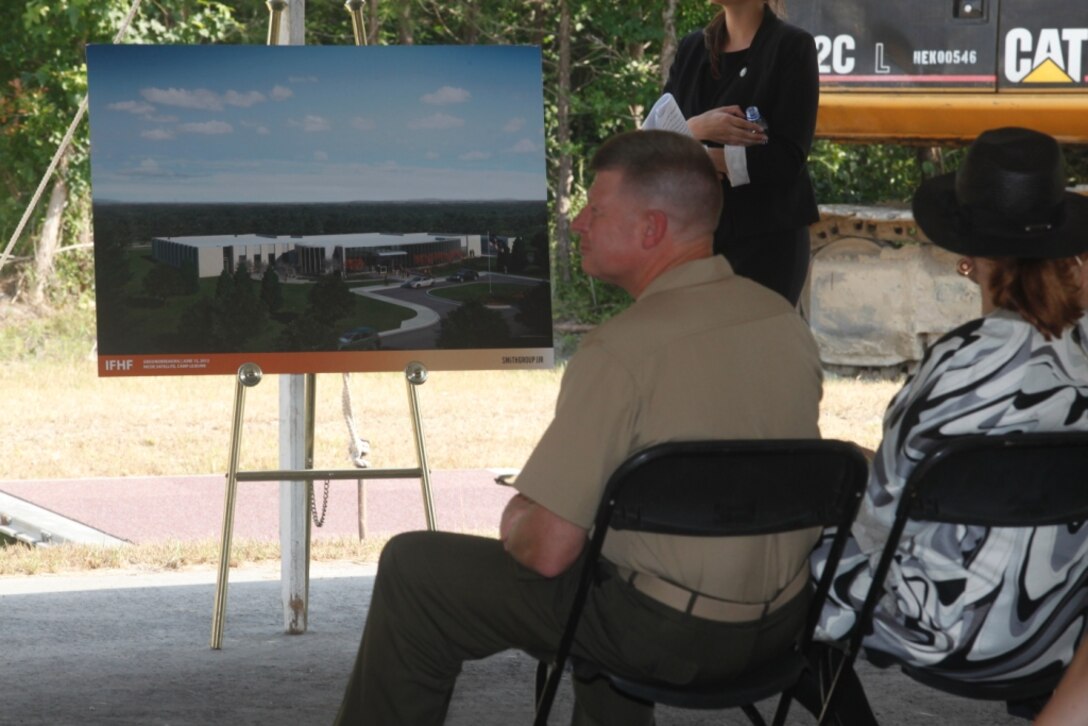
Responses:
[702,354]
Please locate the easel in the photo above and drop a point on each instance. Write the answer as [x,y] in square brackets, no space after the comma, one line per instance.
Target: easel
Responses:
[249,375]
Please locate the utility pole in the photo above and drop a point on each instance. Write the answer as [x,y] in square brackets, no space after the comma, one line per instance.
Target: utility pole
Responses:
[294,428]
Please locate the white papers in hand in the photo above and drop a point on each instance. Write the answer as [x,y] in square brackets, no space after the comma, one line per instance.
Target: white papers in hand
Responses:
[666,116]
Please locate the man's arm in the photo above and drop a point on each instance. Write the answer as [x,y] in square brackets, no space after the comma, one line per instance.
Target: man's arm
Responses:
[538,538]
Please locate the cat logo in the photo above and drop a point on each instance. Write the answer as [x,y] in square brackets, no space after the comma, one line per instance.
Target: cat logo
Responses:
[1055,56]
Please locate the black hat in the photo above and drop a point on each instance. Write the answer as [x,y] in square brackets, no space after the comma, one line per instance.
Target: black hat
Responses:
[1008,199]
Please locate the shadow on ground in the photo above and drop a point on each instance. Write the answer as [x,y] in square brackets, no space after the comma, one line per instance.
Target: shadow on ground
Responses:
[132,649]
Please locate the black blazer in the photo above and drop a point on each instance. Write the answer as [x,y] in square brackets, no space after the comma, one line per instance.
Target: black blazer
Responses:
[782,79]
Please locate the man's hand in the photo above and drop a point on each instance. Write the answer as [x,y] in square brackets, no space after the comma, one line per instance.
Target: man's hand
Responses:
[538,538]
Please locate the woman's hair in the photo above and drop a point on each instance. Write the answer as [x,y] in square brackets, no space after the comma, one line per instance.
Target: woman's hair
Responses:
[715,33]
[1044,292]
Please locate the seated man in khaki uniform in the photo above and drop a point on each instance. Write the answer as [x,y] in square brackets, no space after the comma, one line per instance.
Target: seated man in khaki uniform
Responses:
[701,354]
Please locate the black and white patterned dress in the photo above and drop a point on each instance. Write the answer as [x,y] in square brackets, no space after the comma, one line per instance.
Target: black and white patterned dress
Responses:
[994,375]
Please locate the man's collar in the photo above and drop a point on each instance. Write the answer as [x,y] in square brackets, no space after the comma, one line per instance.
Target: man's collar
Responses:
[689,274]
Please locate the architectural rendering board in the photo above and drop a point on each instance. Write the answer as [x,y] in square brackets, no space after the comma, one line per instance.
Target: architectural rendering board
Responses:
[318,209]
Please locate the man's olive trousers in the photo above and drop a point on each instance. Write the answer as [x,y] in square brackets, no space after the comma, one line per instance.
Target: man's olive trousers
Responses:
[441,599]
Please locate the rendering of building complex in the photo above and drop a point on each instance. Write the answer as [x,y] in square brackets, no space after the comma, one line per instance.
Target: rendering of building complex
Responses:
[313,255]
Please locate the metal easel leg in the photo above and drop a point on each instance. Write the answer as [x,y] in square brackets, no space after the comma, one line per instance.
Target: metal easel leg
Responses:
[416,373]
[249,375]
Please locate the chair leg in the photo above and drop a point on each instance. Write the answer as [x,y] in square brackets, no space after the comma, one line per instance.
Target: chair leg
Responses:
[547,681]
[783,708]
[753,715]
[541,679]
[855,708]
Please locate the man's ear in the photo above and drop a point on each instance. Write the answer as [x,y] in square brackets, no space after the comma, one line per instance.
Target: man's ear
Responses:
[655,226]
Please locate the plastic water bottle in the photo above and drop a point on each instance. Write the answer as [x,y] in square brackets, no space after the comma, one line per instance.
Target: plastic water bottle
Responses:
[752,114]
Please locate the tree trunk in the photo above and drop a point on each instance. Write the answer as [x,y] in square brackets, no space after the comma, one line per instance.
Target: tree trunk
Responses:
[668,43]
[472,23]
[637,51]
[406,28]
[49,241]
[565,177]
[931,160]
[373,21]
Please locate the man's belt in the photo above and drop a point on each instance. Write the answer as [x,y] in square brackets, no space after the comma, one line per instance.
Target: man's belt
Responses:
[705,606]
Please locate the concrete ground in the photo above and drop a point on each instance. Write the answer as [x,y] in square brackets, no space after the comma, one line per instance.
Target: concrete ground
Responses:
[131,648]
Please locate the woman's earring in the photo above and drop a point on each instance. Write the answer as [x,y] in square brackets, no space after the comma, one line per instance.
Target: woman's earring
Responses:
[964,266]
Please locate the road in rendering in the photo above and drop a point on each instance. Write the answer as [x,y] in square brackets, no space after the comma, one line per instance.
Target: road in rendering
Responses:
[425,338]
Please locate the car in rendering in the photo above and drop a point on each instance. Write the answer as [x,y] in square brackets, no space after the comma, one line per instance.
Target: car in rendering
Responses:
[363,337]
[418,281]
[464,276]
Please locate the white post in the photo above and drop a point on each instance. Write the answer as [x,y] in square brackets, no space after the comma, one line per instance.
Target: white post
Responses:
[294,500]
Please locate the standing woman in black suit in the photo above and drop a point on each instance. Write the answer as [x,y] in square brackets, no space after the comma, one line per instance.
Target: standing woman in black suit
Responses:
[746,57]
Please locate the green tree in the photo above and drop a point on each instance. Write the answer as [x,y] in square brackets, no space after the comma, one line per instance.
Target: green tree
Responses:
[308,332]
[330,299]
[603,65]
[163,281]
[194,325]
[43,77]
[247,303]
[271,290]
[473,325]
[539,247]
[113,275]
[519,255]
[318,327]
[236,314]
[535,310]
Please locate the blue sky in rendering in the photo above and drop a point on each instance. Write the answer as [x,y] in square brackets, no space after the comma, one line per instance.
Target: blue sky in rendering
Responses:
[315,123]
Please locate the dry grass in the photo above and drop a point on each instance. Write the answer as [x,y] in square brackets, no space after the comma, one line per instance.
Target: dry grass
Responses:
[172,555]
[853,408]
[62,421]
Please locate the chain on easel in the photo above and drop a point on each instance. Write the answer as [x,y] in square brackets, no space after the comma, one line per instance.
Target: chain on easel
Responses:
[318,521]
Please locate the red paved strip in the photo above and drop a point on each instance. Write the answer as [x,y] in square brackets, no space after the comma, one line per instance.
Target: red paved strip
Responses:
[139,509]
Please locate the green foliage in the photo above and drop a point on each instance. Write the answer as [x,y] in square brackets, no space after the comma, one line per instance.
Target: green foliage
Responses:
[74,282]
[863,174]
[234,316]
[615,76]
[519,256]
[331,299]
[330,303]
[586,300]
[534,310]
[43,79]
[271,292]
[163,281]
[473,325]
[67,337]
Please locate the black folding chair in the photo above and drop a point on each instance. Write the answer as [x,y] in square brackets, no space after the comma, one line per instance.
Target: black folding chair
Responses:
[1017,480]
[722,489]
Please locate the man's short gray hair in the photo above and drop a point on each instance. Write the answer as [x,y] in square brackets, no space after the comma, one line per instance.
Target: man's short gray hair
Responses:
[667,169]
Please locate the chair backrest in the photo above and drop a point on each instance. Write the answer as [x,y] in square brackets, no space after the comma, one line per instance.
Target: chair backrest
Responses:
[1014,480]
[728,488]
[719,488]
[1025,480]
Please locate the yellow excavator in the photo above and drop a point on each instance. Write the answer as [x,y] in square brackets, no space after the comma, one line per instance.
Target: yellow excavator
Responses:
[942,71]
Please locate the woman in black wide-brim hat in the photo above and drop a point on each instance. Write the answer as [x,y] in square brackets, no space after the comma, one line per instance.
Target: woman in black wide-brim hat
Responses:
[1021,367]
